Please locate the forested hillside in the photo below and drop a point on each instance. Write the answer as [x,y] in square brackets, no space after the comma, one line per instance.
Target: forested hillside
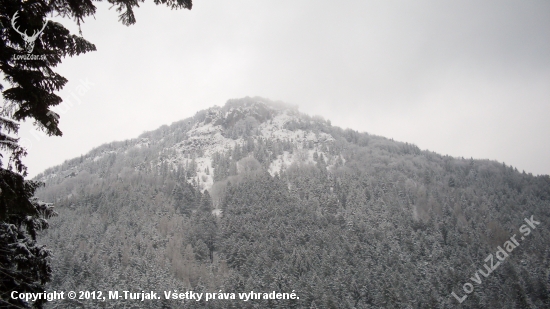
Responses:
[255,196]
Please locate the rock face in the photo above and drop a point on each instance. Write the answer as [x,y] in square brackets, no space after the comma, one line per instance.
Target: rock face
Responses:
[244,121]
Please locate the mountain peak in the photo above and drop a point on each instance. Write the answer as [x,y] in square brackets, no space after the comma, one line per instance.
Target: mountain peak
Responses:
[237,110]
[220,129]
[280,133]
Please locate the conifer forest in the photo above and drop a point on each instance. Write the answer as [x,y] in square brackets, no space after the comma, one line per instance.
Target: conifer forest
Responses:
[256,196]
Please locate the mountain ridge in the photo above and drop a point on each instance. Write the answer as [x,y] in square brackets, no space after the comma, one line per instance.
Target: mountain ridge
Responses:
[216,129]
[248,197]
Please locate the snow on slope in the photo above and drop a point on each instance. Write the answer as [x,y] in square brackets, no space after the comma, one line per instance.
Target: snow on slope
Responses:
[206,138]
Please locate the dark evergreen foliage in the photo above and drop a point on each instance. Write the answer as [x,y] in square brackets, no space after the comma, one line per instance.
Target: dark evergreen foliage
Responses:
[27,62]
[24,265]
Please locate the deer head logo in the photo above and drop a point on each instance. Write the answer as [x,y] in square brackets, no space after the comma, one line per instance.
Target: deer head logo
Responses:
[29,40]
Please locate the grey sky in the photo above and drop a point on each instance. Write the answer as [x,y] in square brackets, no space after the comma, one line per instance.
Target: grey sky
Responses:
[464,78]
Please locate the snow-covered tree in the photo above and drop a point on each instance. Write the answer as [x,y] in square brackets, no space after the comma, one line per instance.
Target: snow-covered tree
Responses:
[24,264]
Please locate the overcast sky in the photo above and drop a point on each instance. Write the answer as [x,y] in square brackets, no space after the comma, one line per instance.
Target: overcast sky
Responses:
[463,78]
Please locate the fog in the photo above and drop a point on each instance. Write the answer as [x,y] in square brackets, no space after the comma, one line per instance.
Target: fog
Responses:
[466,78]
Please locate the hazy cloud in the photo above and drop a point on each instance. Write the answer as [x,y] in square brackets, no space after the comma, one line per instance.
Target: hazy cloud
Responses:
[463,78]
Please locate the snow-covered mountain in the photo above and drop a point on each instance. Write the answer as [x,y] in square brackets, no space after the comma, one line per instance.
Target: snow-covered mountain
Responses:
[194,141]
[255,196]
